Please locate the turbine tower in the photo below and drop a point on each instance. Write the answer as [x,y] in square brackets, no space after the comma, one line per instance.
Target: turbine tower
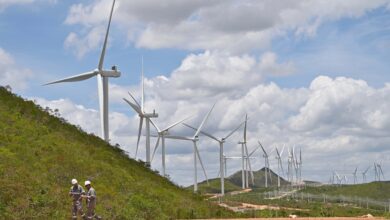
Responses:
[161,135]
[221,142]
[102,76]
[354,176]
[244,153]
[194,140]
[280,165]
[140,109]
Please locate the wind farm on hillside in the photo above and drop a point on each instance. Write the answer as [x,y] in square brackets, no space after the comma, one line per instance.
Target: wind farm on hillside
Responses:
[247,149]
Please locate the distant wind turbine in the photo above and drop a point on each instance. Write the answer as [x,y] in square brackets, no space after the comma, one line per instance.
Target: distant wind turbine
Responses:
[195,140]
[140,109]
[221,142]
[102,80]
[161,135]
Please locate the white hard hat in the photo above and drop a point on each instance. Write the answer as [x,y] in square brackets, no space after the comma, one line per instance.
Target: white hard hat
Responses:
[74,181]
[87,182]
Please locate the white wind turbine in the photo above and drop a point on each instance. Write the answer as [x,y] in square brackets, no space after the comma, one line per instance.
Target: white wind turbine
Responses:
[221,142]
[365,174]
[102,80]
[194,140]
[280,165]
[266,166]
[140,109]
[380,171]
[354,176]
[161,135]
[244,151]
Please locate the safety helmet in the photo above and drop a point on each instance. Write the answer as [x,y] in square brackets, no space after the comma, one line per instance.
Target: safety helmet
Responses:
[74,181]
[87,182]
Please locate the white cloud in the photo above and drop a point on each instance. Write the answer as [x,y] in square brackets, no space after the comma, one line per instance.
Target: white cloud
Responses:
[242,27]
[11,74]
[332,121]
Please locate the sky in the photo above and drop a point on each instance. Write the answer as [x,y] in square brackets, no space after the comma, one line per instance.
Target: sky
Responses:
[313,74]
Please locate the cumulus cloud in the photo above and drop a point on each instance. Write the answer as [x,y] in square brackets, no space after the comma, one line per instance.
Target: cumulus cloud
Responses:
[11,74]
[242,27]
[332,121]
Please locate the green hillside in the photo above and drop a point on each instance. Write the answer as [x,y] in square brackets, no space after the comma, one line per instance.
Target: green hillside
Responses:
[373,190]
[259,178]
[40,154]
[214,186]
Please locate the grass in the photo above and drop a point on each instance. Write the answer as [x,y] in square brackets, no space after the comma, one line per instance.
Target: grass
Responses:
[374,190]
[40,154]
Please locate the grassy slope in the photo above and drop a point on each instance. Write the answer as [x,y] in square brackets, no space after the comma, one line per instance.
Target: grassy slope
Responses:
[214,186]
[40,154]
[374,190]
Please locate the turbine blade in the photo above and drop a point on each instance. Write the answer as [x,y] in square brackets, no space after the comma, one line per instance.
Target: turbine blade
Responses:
[155,148]
[103,105]
[232,132]
[154,125]
[249,163]
[254,151]
[101,61]
[142,86]
[134,107]
[176,123]
[178,137]
[75,78]
[201,163]
[203,122]
[265,153]
[246,119]
[141,120]
[202,132]
[135,100]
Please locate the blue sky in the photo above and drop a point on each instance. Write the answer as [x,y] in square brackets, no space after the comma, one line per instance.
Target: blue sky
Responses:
[277,63]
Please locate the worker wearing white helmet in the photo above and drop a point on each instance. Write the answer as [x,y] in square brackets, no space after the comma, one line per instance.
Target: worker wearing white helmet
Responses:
[76,191]
[91,201]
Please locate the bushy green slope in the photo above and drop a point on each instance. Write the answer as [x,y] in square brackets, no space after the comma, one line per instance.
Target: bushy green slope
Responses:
[40,154]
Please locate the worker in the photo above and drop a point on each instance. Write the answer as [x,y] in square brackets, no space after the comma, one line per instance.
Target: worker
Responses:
[76,191]
[91,201]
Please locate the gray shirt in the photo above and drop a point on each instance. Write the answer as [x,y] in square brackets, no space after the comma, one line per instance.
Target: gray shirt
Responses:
[92,193]
[76,192]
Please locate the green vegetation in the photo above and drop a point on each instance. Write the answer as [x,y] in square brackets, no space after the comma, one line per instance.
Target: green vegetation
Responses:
[40,154]
[233,183]
[373,190]
[214,186]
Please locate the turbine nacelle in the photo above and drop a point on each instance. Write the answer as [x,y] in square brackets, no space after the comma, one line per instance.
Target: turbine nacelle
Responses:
[114,72]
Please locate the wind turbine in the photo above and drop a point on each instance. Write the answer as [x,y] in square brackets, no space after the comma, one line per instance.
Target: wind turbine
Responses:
[364,174]
[244,151]
[194,140]
[376,171]
[221,142]
[380,171]
[266,166]
[140,109]
[354,176]
[280,165]
[102,80]
[161,135]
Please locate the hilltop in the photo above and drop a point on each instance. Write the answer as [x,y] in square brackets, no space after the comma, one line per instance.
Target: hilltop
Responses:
[233,182]
[40,154]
